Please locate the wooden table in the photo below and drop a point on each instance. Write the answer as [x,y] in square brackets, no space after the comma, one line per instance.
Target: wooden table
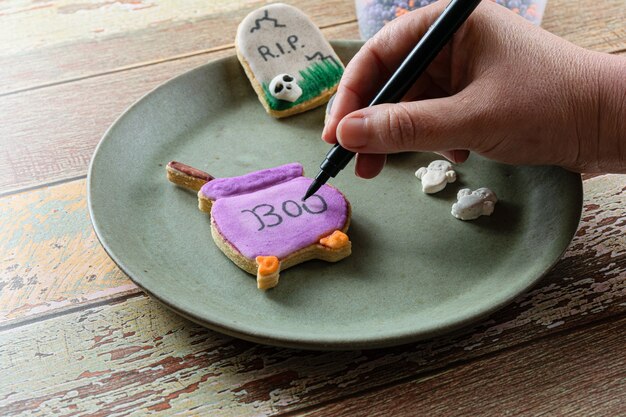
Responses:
[78,337]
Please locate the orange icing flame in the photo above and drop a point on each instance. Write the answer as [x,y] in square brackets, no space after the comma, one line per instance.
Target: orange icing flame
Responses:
[335,241]
[267,264]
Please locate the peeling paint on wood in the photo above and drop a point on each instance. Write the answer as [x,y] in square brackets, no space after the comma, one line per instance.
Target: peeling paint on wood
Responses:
[135,356]
[50,259]
[30,24]
[578,374]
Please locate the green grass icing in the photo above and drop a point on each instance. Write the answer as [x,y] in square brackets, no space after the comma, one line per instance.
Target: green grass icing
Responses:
[316,78]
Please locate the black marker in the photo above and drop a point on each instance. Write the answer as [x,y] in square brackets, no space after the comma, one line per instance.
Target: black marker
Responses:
[433,41]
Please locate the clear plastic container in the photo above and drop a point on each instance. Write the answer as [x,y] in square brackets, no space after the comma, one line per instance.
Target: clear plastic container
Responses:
[373,14]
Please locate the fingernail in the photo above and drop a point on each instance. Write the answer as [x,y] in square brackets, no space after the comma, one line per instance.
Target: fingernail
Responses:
[325,130]
[352,132]
[328,118]
[460,156]
[449,155]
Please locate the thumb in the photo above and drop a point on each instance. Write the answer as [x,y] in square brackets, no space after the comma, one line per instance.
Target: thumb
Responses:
[441,124]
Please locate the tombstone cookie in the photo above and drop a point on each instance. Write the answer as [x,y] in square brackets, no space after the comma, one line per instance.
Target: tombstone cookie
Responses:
[289,63]
[259,221]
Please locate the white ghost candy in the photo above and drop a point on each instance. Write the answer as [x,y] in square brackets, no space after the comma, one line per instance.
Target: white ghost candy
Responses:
[473,204]
[284,87]
[436,176]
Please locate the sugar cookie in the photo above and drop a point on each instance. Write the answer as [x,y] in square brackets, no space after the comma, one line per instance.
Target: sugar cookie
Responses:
[473,204]
[436,176]
[259,221]
[287,59]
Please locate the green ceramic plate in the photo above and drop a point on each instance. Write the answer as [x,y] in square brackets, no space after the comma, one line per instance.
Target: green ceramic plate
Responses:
[415,271]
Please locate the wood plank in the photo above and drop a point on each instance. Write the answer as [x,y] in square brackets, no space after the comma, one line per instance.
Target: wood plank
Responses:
[136,356]
[577,374]
[28,25]
[72,39]
[50,134]
[589,24]
[50,258]
[69,39]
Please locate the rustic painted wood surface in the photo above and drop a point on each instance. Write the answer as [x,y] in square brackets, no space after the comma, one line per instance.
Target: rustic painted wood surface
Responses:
[137,356]
[78,338]
[493,386]
[50,258]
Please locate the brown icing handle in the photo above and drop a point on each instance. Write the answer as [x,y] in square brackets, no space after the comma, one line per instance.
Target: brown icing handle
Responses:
[187,176]
[190,171]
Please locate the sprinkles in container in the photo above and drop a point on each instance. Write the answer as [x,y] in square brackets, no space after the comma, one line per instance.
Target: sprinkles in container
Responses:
[373,14]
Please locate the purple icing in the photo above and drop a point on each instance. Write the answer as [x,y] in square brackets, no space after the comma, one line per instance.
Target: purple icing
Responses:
[228,187]
[275,221]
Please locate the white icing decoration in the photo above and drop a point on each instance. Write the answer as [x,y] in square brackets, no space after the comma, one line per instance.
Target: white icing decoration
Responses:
[285,87]
[436,176]
[279,38]
[473,204]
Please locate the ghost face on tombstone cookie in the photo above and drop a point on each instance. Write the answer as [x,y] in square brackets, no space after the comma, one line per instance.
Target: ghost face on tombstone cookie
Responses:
[291,67]
[284,87]
[435,177]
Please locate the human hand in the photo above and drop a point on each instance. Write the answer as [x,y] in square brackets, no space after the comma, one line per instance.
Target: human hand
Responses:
[502,88]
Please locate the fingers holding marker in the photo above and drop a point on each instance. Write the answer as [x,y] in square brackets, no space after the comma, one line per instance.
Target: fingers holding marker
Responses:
[458,156]
[375,62]
[430,125]
[369,165]
[344,102]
